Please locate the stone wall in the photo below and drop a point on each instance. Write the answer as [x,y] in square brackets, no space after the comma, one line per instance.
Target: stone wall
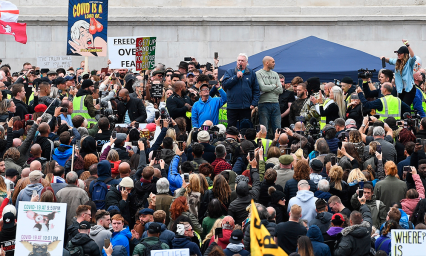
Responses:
[200,28]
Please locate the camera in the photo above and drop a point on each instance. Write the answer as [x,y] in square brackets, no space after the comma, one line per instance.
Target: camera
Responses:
[412,119]
[337,82]
[314,130]
[365,73]
[301,119]
[164,114]
[64,109]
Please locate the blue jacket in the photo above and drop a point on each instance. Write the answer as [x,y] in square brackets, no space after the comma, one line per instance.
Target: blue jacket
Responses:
[404,80]
[333,145]
[174,177]
[400,165]
[242,93]
[166,235]
[209,110]
[62,153]
[181,242]
[104,172]
[121,238]
[417,102]
[317,240]
[240,165]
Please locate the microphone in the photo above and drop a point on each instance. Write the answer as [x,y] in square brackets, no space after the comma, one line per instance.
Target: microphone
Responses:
[241,68]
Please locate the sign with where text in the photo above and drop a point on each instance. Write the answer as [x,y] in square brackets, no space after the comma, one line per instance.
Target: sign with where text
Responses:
[145,53]
[408,242]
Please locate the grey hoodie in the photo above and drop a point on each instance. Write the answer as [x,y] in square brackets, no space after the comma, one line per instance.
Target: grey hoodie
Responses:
[98,233]
[27,193]
[306,200]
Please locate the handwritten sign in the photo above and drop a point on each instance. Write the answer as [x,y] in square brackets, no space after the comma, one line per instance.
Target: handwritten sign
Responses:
[157,90]
[171,252]
[408,242]
[40,224]
[53,62]
[145,53]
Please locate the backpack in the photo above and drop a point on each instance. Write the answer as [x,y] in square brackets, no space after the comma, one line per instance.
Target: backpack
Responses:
[232,149]
[75,250]
[149,248]
[100,190]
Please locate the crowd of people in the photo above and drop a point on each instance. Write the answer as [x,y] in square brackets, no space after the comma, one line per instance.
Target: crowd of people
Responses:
[172,159]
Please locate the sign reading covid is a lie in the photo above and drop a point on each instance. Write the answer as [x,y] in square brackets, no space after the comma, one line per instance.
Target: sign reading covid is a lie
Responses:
[87,28]
[408,242]
[40,229]
[145,53]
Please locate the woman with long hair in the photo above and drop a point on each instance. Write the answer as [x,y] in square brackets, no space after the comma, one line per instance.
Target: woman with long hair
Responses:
[338,186]
[214,213]
[192,191]
[384,241]
[180,207]
[355,138]
[351,153]
[301,172]
[304,246]
[90,159]
[354,110]
[404,66]
[332,108]
[355,176]
[220,191]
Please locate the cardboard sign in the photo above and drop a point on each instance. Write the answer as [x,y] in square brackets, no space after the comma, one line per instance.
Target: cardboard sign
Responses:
[54,62]
[122,51]
[408,242]
[40,224]
[145,53]
[156,91]
[87,28]
[171,252]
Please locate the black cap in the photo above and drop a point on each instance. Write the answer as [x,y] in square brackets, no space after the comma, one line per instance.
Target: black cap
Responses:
[183,65]
[11,172]
[61,70]
[402,49]
[232,130]
[204,85]
[84,225]
[60,80]
[154,228]
[316,165]
[236,236]
[45,79]
[44,70]
[129,77]
[87,83]
[8,220]
[347,80]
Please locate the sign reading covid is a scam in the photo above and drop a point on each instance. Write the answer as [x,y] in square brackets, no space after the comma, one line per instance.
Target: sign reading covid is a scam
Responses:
[122,52]
[408,242]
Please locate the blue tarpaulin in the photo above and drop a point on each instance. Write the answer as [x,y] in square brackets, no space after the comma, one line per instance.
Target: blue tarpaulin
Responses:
[314,57]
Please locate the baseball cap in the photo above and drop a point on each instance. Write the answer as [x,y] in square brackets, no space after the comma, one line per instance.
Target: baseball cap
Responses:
[347,80]
[113,207]
[232,130]
[86,83]
[350,122]
[146,211]
[204,85]
[402,49]
[60,80]
[154,228]
[11,172]
[190,74]
[151,127]
[126,182]
[8,220]
[35,175]
[236,236]
[203,136]
[84,225]
[316,165]
[69,78]
[228,223]
[40,108]
[286,159]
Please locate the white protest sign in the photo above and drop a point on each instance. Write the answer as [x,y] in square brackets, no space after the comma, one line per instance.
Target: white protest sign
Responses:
[52,62]
[40,224]
[122,52]
[408,242]
[171,252]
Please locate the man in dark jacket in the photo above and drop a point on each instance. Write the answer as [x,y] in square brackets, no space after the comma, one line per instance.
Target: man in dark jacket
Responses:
[18,93]
[105,135]
[143,188]
[119,196]
[356,239]
[45,143]
[179,103]
[8,234]
[166,235]
[119,146]
[317,240]
[134,108]
[82,239]
[203,138]
[242,89]
[263,215]
[237,208]
[323,218]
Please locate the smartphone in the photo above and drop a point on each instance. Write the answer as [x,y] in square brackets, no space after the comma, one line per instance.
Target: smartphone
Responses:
[407,169]
[158,154]
[104,70]
[187,59]
[383,62]
[180,145]
[218,233]
[59,120]
[112,165]
[107,242]
[360,193]
[213,82]
[399,123]
[257,128]
[186,177]
[114,134]
[11,114]
[216,55]
[259,143]
[251,153]
[34,192]
[8,186]
[379,148]
[64,109]
[418,141]
[137,125]
[287,151]
[333,160]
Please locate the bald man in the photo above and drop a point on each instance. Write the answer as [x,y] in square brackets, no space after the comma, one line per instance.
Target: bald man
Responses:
[123,169]
[35,151]
[271,88]
[327,88]
[35,166]
[45,143]
[23,182]
[208,123]
[16,142]
[132,107]
[25,172]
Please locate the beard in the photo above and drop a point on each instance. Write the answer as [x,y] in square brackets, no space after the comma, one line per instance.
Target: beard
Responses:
[122,75]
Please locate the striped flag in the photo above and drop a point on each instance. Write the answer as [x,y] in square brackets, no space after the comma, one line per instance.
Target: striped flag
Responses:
[9,14]
[8,11]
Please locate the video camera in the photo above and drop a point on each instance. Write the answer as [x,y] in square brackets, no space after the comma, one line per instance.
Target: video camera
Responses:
[314,130]
[213,131]
[164,114]
[365,73]
[412,119]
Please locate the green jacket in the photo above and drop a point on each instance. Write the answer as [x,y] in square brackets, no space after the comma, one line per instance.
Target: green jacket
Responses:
[378,214]
[150,241]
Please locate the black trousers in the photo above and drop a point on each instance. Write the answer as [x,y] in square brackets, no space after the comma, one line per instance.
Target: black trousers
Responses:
[235,115]
[408,97]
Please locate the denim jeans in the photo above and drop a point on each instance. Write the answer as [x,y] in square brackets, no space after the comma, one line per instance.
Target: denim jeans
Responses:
[270,117]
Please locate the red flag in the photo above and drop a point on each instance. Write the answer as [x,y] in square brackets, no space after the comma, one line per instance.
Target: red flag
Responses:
[18,30]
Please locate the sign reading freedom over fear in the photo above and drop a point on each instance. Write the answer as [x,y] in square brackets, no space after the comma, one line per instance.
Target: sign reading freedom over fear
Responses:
[408,242]
[145,53]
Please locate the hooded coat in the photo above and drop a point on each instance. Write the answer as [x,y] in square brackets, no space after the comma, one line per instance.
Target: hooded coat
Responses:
[181,242]
[8,234]
[232,249]
[121,238]
[166,235]
[237,208]
[322,221]
[317,240]
[62,153]
[306,200]
[27,193]
[223,241]
[355,240]
[331,236]
[89,246]
[98,233]
[104,172]
[290,188]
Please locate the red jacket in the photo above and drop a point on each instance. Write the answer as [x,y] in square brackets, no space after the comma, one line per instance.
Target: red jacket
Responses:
[224,241]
